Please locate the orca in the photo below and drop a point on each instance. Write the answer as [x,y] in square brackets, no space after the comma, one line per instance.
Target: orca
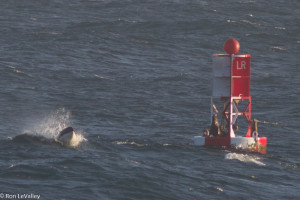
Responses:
[68,137]
[29,137]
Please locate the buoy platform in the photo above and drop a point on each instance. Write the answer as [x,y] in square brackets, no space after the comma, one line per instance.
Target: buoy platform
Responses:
[250,144]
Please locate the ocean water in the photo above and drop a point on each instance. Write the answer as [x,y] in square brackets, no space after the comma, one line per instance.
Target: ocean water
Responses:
[133,78]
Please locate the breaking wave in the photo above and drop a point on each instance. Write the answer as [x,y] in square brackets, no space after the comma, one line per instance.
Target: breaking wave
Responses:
[244,158]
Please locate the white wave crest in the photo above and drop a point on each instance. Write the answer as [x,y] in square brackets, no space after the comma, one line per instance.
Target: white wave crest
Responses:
[244,158]
[127,142]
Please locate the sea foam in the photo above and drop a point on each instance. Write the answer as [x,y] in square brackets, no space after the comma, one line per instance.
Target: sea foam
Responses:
[244,158]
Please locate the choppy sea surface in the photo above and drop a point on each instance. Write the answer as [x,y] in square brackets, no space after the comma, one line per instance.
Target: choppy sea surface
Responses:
[133,78]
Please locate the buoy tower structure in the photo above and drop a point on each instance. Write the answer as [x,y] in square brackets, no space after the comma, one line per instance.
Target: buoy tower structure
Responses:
[230,101]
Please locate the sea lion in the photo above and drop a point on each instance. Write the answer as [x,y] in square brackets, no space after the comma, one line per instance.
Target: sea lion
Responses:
[214,127]
[254,126]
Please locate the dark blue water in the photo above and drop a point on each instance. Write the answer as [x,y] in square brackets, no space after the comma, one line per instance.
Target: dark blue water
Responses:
[134,79]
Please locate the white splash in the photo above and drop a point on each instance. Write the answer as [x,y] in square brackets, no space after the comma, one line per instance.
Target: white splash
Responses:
[244,158]
[50,126]
[75,141]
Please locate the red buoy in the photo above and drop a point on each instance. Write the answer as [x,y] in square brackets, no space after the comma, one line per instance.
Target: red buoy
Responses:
[231,85]
[232,46]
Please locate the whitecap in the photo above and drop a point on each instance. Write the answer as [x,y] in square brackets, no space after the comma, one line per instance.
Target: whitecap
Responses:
[277,48]
[127,142]
[249,22]
[134,162]
[11,166]
[128,21]
[244,158]
[219,189]
[102,77]
[280,28]
[20,72]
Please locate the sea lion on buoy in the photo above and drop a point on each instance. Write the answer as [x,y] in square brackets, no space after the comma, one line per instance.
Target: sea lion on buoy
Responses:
[214,127]
[254,126]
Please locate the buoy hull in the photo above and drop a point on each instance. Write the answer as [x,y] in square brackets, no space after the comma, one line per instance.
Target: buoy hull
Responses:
[251,144]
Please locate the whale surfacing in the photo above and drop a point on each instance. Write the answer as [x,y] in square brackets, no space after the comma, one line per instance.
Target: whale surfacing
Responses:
[68,137]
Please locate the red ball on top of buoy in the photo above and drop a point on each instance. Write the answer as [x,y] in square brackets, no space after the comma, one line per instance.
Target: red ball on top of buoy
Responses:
[232,46]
